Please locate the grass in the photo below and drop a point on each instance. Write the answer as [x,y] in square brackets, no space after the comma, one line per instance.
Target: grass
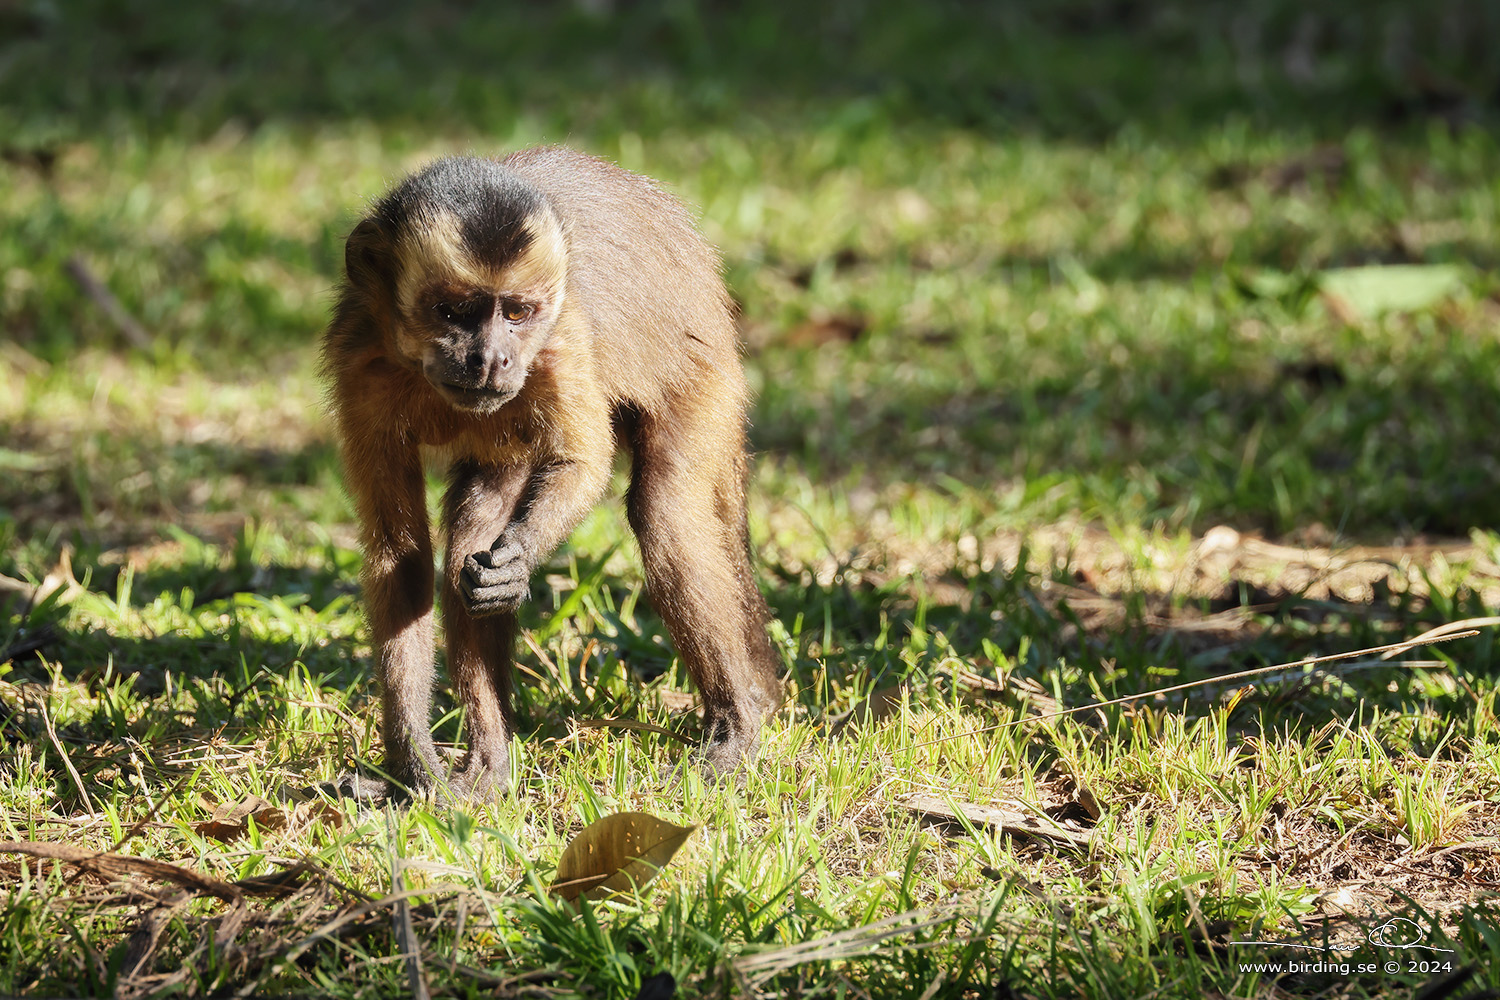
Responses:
[1055,405]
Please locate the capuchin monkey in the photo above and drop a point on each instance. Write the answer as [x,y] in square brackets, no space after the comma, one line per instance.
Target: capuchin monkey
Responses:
[521,317]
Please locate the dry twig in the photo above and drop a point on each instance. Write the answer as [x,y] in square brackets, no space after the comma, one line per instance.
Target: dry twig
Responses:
[1425,639]
[99,293]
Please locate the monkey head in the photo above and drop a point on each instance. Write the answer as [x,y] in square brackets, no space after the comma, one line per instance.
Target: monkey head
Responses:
[468,262]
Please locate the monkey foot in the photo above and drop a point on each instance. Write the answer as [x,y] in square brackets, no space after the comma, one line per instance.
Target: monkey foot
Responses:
[362,789]
[726,758]
[479,782]
[485,772]
[371,791]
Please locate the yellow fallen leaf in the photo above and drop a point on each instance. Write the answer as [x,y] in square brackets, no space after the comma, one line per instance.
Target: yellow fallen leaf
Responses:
[615,852]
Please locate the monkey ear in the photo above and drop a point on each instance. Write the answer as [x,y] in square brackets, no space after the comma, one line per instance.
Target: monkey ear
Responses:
[367,256]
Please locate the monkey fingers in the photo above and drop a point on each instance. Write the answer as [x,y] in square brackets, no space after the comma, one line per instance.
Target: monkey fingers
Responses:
[495,581]
[505,550]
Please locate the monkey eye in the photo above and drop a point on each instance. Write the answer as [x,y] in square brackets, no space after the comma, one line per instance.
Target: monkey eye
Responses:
[461,313]
[515,311]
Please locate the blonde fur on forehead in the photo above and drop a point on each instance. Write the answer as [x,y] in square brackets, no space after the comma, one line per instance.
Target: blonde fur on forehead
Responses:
[544,264]
[433,250]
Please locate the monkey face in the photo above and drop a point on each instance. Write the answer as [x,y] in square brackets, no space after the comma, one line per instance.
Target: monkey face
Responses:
[475,319]
[478,345]
[474,261]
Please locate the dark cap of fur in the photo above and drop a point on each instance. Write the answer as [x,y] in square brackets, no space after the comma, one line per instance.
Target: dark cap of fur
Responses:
[490,202]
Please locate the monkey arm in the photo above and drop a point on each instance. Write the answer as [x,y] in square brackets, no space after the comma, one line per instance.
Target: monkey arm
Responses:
[559,492]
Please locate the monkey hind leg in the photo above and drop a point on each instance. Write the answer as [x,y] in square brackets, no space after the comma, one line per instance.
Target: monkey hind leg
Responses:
[687,507]
[479,664]
[754,614]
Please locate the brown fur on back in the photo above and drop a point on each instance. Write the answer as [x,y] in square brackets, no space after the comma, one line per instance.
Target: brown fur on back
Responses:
[656,301]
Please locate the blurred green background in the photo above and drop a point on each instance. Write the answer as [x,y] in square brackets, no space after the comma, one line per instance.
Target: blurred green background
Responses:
[1067,256]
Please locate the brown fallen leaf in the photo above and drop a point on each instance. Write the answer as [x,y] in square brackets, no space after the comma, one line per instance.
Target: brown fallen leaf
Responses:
[1008,820]
[231,820]
[1086,801]
[615,852]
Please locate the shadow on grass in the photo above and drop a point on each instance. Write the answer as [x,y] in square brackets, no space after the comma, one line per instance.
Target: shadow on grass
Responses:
[1195,434]
[161,702]
[1060,631]
[260,621]
[120,490]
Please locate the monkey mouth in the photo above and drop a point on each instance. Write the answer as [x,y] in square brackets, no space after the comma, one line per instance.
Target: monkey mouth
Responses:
[476,398]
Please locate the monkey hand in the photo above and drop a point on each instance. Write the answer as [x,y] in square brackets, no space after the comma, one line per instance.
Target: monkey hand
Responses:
[496,581]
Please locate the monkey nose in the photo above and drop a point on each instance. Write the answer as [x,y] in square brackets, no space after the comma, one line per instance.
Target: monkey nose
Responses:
[496,372]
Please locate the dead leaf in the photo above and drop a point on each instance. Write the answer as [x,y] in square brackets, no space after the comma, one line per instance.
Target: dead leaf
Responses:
[230,821]
[1011,821]
[615,852]
[1085,799]
[1371,291]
